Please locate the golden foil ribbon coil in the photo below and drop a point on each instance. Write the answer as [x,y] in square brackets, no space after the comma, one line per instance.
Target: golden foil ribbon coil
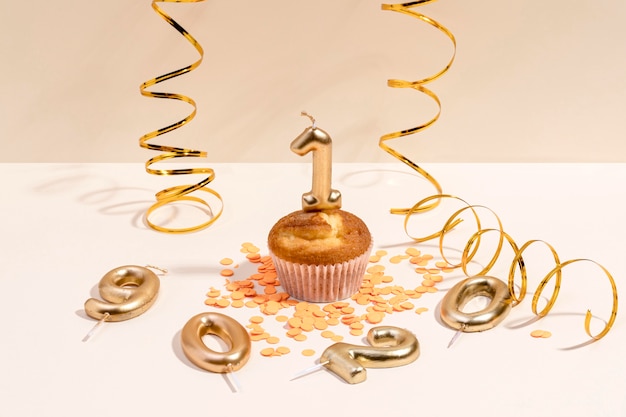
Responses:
[418,85]
[179,193]
[517,263]
[473,244]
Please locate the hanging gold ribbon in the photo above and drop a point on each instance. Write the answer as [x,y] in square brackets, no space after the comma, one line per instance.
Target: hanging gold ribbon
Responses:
[473,243]
[180,193]
[419,85]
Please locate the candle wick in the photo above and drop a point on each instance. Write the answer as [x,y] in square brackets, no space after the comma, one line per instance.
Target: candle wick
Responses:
[303,113]
[310,370]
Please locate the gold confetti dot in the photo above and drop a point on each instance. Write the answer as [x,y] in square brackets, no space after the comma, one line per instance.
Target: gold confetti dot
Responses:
[267,351]
[356,332]
[222,302]
[293,332]
[412,252]
[374,317]
[540,334]
[407,305]
[237,295]
[332,321]
[356,325]
[283,350]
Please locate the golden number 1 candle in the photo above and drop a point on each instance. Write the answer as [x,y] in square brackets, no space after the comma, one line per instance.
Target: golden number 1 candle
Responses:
[317,141]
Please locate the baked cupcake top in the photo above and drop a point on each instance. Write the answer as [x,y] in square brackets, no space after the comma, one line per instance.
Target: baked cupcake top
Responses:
[321,237]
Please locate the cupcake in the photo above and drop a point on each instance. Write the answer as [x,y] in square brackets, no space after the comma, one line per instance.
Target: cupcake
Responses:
[320,252]
[320,255]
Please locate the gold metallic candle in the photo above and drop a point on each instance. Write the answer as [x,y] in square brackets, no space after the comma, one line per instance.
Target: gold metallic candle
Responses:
[317,141]
[458,296]
[224,327]
[127,291]
[390,347]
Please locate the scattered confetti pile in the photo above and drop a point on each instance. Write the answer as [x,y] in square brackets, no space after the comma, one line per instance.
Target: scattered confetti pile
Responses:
[378,296]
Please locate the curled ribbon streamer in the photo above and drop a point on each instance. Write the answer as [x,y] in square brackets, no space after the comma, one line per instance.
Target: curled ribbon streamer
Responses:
[473,243]
[178,193]
[555,272]
[418,85]
[518,262]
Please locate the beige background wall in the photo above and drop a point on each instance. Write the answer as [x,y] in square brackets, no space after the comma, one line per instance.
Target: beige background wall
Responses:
[533,80]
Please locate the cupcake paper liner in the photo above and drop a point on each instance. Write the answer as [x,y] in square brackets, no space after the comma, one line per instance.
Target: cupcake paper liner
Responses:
[322,283]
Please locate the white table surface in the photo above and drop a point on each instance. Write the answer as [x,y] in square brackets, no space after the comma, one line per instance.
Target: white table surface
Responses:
[66,225]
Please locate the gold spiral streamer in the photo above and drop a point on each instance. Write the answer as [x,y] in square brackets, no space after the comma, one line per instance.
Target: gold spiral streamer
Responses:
[178,193]
[419,85]
[518,262]
[473,243]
